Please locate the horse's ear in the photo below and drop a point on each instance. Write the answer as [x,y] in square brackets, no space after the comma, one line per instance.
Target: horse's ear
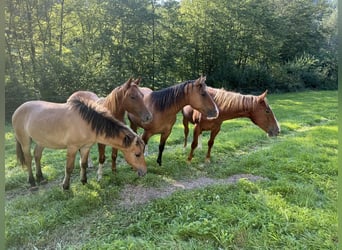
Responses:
[200,80]
[263,96]
[128,83]
[137,82]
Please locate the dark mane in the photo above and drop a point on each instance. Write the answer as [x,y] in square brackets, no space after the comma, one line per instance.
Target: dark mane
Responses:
[100,119]
[170,96]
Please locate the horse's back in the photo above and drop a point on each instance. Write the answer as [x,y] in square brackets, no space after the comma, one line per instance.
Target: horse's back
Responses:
[48,124]
[83,94]
[145,90]
[37,109]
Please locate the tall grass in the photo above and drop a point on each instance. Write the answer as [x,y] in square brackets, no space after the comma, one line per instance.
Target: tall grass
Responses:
[294,207]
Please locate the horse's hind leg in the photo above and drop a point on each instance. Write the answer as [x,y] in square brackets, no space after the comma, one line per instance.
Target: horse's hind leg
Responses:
[38,150]
[186,130]
[197,132]
[23,150]
[213,134]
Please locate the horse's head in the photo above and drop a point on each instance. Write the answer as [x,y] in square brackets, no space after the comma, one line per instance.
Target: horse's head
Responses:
[134,155]
[200,99]
[262,115]
[133,101]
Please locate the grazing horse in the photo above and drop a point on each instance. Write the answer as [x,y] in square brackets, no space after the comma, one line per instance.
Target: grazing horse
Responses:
[74,126]
[166,103]
[231,105]
[126,97]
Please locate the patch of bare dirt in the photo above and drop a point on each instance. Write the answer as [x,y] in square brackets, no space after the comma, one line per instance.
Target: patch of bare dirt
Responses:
[135,195]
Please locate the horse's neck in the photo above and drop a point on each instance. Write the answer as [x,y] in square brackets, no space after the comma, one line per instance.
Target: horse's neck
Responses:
[115,142]
[113,103]
[182,101]
[236,106]
[177,107]
[172,103]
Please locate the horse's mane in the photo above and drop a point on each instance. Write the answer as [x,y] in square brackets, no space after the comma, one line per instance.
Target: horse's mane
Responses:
[233,100]
[101,120]
[169,96]
[111,101]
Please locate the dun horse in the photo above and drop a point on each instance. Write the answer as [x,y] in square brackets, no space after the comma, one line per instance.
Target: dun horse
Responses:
[231,105]
[74,126]
[166,103]
[126,97]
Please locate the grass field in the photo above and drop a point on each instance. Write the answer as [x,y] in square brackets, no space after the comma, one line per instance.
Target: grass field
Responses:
[291,205]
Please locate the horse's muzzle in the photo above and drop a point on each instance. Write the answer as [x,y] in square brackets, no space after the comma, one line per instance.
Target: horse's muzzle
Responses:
[147,118]
[141,173]
[212,114]
[273,132]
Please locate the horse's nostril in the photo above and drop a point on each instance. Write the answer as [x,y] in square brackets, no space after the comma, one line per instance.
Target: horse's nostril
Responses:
[212,114]
[272,133]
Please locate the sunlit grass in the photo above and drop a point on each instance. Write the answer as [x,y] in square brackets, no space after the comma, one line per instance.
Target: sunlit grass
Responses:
[293,208]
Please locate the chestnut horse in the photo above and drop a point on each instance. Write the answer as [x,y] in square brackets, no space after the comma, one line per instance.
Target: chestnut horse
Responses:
[231,105]
[74,126]
[166,103]
[126,97]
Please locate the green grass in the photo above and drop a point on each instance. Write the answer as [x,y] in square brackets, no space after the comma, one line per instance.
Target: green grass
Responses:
[295,208]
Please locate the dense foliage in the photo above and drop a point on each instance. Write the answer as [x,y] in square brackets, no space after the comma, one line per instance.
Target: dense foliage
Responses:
[55,47]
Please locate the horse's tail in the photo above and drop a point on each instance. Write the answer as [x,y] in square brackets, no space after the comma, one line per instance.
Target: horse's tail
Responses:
[20,153]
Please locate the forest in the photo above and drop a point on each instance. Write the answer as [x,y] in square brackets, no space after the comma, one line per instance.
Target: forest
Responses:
[56,47]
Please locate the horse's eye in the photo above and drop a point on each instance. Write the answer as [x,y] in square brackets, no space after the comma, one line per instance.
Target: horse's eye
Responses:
[132,97]
[268,111]
[203,94]
[138,155]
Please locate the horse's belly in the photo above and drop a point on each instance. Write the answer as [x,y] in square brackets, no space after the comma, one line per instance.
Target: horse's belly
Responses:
[52,145]
[61,139]
[210,125]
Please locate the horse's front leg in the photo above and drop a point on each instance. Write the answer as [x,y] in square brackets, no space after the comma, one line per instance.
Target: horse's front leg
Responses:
[145,137]
[213,134]
[197,133]
[114,156]
[90,163]
[163,138]
[84,164]
[38,151]
[102,158]
[70,162]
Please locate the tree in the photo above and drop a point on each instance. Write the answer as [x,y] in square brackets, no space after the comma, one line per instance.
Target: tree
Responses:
[55,47]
